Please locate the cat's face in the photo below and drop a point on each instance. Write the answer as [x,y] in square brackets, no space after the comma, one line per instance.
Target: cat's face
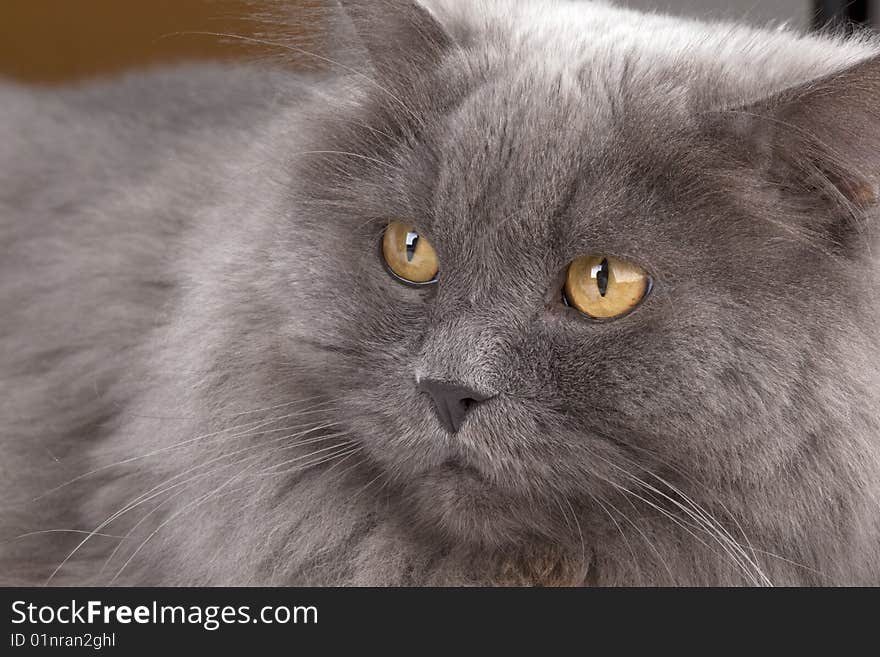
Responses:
[512,170]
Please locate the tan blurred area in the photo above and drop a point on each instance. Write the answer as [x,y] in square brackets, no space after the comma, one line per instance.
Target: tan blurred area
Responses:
[49,41]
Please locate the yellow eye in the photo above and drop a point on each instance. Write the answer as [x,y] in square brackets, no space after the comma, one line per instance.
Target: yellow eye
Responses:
[605,287]
[409,256]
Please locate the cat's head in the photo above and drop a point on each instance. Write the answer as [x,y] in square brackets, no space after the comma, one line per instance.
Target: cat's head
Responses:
[540,266]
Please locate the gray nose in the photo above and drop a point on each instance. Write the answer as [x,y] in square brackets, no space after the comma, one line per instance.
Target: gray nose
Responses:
[452,401]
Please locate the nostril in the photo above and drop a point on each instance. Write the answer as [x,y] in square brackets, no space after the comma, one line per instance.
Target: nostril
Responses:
[452,401]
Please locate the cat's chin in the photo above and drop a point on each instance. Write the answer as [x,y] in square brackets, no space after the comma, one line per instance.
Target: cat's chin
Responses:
[462,471]
[459,502]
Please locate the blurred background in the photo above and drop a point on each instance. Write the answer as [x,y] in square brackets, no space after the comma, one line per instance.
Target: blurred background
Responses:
[49,41]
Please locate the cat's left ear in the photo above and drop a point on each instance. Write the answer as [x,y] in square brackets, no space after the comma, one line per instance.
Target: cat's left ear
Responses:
[398,35]
[821,138]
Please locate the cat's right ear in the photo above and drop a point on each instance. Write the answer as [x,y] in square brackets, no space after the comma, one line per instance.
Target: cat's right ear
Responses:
[399,37]
[819,141]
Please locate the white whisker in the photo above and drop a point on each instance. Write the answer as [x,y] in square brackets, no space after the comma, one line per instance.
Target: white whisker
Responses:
[195,504]
[258,424]
[137,502]
[604,508]
[60,531]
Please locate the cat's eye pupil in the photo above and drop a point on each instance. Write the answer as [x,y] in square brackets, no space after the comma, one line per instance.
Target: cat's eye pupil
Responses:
[412,240]
[600,273]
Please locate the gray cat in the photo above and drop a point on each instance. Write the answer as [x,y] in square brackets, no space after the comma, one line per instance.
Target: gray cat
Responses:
[545,293]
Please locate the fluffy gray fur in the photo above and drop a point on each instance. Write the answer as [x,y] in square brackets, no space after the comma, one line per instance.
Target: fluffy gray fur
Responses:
[207,376]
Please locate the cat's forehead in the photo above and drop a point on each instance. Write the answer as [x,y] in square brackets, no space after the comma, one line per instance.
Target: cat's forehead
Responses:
[516,106]
[525,143]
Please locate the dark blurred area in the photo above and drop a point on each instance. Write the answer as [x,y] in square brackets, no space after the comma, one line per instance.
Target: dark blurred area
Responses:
[815,14]
[47,41]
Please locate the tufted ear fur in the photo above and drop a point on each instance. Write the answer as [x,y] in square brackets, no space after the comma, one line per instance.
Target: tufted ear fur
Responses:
[820,142]
[398,35]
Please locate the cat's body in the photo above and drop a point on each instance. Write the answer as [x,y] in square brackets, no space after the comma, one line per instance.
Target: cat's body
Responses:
[201,351]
